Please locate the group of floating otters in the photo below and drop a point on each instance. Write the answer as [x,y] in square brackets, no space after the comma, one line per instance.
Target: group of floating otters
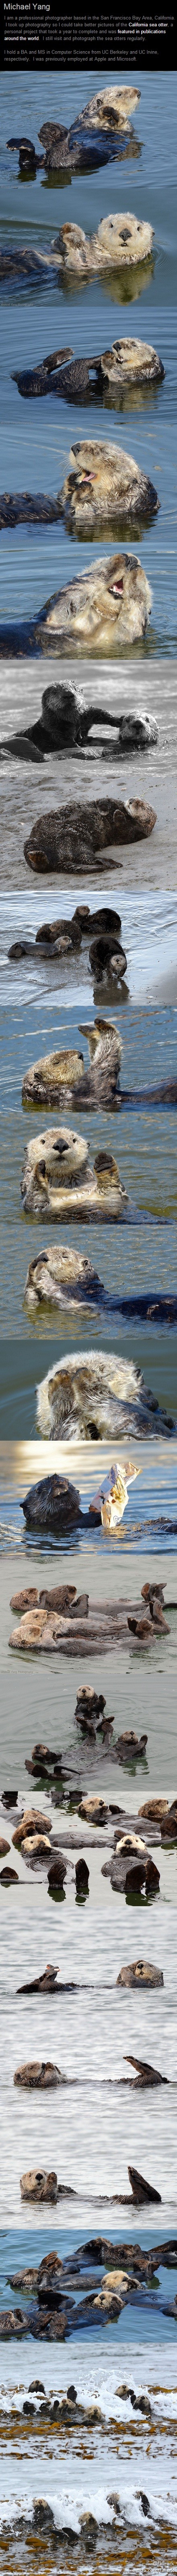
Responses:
[108,606]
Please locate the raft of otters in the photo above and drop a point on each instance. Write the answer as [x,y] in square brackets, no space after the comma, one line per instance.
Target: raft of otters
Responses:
[105,488]
[102,132]
[102,608]
[54,2306]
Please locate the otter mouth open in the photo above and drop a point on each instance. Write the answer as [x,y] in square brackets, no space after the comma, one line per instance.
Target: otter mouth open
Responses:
[115,588]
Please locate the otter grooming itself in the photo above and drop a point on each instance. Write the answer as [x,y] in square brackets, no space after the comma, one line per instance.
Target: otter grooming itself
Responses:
[126,363]
[104,485]
[60,1181]
[92,1397]
[61,1277]
[65,725]
[62,1076]
[72,834]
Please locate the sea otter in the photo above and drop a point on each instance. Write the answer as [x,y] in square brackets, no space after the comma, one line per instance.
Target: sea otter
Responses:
[66,725]
[62,1076]
[60,1180]
[90,1396]
[100,611]
[121,241]
[101,133]
[69,836]
[104,485]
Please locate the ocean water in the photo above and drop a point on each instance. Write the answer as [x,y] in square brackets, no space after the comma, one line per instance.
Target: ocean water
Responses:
[151,1511]
[36,439]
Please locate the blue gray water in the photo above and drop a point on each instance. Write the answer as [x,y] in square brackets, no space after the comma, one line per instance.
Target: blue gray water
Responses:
[36,436]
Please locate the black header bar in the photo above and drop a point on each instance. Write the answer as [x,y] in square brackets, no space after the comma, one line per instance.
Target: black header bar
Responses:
[35,36]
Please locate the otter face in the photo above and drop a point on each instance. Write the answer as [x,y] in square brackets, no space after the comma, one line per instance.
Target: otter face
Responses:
[53,1161]
[104,484]
[54,1074]
[123,242]
[111,106]
[105,607]
[130,361]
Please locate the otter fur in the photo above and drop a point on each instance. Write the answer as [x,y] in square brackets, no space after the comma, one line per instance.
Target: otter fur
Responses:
[90,1396]
[63,1076]
[102,608]
[104,485]
[70,836]
[59,1180]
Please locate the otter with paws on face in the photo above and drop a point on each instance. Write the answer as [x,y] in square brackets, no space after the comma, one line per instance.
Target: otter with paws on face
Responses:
[92,1397]
[105,607]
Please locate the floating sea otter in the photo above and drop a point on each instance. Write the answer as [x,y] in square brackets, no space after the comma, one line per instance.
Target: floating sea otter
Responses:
[101,610]
[121,242]
[70,835]
[130,363]
[62,1076]
[91,1397]
[59,1180]
[105,487]
[98,135]
[62,1277]
[65,724]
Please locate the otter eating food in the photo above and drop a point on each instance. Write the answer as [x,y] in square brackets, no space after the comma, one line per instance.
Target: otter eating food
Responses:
[70,836]
[92,1397]
[104,485]
[59,1179]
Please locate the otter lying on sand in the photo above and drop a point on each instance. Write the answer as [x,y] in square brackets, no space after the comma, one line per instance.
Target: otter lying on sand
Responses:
[105,487]
[92,1397]
[96,136]
[59,1180]
[71,835]
[65,725]
[101,610]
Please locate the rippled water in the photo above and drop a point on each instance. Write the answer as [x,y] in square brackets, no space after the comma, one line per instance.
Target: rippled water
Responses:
[32,434]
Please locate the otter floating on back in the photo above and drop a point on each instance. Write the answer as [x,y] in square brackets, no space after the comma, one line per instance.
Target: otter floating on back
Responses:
[90,1396]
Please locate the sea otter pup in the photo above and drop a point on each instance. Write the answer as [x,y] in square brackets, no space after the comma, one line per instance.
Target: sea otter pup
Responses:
[70,835]
[60,1180]
[101,609]
[104,485]
[90,1396]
